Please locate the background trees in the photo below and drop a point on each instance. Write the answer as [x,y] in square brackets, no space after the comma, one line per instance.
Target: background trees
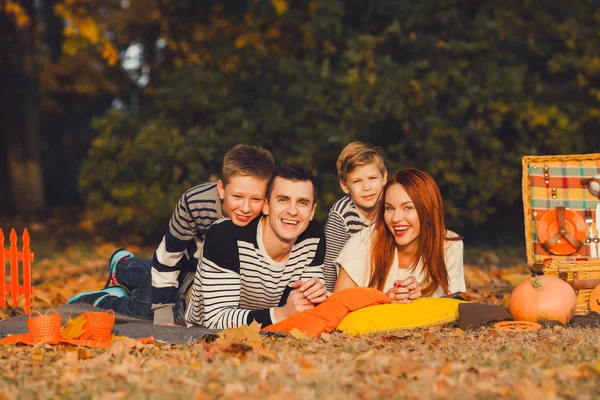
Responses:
[462,89]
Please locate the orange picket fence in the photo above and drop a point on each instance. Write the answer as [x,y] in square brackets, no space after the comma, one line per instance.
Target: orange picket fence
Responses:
[13,257]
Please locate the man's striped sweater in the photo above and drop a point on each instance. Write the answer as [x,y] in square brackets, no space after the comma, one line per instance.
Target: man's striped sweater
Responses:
[237,282]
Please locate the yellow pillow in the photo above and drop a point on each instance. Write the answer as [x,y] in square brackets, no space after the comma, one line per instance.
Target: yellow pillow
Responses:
[420,313]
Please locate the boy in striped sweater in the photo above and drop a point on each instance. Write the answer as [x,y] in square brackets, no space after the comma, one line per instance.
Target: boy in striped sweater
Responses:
[271,268]
[157,289]
[362,174]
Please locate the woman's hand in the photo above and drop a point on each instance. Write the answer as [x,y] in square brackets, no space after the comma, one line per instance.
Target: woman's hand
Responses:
[404,290]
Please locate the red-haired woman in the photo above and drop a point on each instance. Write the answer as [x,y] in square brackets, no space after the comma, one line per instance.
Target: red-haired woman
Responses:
[407,253]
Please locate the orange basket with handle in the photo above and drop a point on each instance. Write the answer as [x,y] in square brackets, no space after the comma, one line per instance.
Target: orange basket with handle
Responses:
[98,325]
[45,327]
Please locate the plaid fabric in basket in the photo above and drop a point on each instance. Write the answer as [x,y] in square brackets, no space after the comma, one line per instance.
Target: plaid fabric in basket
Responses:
[560,187]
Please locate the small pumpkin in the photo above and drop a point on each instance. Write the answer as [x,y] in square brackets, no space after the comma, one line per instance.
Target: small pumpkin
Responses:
[543,298]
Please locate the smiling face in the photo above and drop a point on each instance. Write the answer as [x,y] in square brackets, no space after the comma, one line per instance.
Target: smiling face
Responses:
[401,218]
[289,209]
[243,198]
[364,184]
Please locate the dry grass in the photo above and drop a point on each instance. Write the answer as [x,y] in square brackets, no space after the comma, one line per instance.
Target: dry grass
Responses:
[435,363]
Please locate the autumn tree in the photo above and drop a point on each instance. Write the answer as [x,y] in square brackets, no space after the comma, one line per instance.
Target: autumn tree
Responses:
[462,89]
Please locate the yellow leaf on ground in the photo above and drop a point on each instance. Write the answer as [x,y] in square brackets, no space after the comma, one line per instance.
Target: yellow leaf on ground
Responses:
[526,389]
[37,354]
[42,296]
[250,333]
[122,345]
[73,329]
[298,334]
[515,279]
[365,356]
[476,278]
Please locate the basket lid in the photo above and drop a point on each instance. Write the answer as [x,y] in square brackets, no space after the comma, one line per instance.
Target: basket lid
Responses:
[556,181]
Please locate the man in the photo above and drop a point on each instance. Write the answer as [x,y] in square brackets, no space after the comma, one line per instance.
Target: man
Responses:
[271,268]
[156,289]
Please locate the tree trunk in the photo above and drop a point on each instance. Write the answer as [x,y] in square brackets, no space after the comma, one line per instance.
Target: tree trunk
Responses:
[21,105]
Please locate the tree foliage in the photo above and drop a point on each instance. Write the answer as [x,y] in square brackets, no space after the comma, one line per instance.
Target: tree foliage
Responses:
[461,89]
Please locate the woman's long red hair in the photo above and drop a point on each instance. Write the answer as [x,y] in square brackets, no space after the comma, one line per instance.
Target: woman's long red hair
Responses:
[427,199]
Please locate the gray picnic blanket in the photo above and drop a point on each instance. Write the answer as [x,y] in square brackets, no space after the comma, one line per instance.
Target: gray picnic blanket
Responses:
[124,326]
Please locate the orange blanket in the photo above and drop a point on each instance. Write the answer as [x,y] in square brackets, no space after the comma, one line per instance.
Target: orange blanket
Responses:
[326,316]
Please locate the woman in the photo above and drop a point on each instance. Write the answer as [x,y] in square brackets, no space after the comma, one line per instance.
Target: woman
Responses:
[407,253]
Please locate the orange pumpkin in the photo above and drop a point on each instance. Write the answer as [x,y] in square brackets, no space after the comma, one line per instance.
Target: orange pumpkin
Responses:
[543,298]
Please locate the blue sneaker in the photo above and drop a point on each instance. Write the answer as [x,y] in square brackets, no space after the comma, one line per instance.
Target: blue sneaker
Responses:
[94,298]
[117,257]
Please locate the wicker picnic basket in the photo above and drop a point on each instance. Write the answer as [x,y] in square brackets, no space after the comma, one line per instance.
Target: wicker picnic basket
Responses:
[558,186]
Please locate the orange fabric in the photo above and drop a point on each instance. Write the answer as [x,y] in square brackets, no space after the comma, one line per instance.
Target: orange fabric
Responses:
[23,338]
[26,338]
[326,316]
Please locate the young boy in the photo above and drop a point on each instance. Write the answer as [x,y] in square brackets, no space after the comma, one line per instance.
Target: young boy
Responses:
[269,269]
[362,175]
[158,287]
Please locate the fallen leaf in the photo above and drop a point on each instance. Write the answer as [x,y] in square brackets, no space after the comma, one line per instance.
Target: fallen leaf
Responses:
[69,358]
[234,389]
[245,333]
[73,329]
[476,278]
[37,354]
[422,373]
[84,353]
[326,337]
[267,355]
[122,345]
[395,337]
[42,296]
[525,389]
[365,356]
[298,334]
[515,279]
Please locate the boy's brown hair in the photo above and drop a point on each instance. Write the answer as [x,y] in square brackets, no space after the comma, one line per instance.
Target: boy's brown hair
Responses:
[246,160]
[357,154]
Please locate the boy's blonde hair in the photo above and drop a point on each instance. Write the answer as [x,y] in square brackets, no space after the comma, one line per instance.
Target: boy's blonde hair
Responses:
[246,160]
[357,154]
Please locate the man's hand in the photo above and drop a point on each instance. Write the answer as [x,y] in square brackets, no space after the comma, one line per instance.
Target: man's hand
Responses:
[404,290]
[296,302]
[313,290]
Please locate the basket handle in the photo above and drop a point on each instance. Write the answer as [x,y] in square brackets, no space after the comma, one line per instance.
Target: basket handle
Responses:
[46,314]
[109,312]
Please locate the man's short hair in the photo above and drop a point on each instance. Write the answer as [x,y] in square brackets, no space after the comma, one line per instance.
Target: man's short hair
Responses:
[246,160]
[296,172]
[357,154]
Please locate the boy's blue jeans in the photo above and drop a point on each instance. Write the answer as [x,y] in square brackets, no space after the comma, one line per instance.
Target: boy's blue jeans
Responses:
[136,275]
